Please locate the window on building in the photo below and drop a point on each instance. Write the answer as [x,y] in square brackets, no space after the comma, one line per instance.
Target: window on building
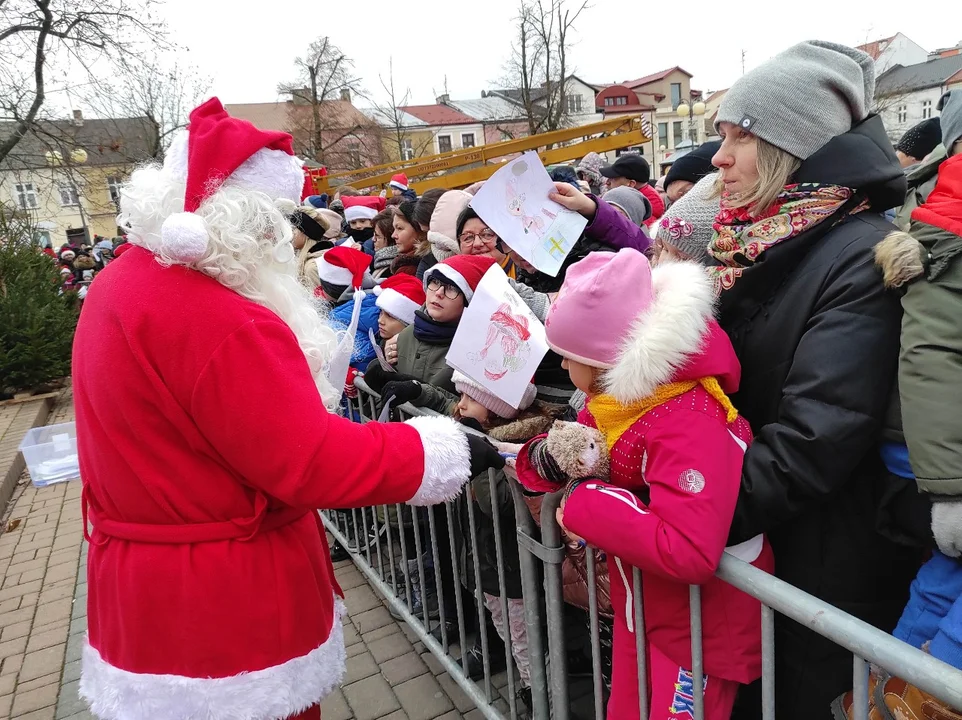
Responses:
[926,109]
[903,113]
[663,132]
[26,196]
[113,188]
[677,134]
[407,149]
[354,153]
[575,104]
[444,143]
[612,101]
[42,237]
[675,95]
[467,140]
[68,195]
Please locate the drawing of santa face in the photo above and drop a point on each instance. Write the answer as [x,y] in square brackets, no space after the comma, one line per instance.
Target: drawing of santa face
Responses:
[506,347]
[515,200]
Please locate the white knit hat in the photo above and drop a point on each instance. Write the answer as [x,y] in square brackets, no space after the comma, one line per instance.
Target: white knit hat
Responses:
[478,393]
[688,224]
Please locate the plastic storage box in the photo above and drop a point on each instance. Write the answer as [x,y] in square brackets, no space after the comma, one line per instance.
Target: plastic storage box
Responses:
[51,453]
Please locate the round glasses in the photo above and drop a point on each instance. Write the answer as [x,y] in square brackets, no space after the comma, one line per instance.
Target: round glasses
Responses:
[486,236]
[450,292]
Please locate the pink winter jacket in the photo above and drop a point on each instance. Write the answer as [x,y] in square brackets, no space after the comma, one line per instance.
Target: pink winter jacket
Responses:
[687,459]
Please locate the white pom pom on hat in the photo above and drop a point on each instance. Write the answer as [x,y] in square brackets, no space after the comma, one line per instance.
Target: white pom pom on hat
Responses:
[184,237]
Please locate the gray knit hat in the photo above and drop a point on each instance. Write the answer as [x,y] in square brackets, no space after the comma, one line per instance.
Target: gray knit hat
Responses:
[636,206]
[950,106]
[687,225]
[802,97]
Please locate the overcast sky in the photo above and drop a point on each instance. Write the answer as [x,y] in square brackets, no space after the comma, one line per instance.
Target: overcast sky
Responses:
[247,48]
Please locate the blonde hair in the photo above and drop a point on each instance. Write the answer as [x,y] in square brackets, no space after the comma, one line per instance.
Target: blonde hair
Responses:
[775,170]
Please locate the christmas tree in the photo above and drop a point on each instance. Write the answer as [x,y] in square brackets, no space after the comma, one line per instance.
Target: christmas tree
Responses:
[37,321]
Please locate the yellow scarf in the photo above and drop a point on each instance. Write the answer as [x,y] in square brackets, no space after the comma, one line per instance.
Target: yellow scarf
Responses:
[614,418]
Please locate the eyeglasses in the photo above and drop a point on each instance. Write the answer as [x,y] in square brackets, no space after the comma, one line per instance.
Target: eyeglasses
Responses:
[450,292]
[487,236]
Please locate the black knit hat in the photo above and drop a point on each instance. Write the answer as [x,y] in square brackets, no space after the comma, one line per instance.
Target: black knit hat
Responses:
[467,214]
[919,140]
[695,165]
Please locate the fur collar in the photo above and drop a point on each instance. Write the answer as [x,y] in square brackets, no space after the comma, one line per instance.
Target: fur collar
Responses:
[533,422]
[663,338]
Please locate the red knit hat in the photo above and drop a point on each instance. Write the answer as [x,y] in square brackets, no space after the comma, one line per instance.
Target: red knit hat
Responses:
[362,207]
[216,149]
[400,296]
[343,266]
[399,181]
[465,271]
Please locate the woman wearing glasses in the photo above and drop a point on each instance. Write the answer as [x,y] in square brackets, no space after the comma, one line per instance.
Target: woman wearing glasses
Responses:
[476,238]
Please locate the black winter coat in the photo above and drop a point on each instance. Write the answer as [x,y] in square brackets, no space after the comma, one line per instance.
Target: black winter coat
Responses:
[818,339]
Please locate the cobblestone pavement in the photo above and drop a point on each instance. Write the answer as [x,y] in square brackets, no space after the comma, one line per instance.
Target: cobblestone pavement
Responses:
[43,616]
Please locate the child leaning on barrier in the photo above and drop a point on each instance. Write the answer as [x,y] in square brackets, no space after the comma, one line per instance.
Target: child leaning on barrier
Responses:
[645,348]
[484,411]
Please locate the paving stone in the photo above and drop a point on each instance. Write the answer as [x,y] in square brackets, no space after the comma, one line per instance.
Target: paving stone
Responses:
[13,647]
[71,671]
[434,665]
[389,647]
[69,702]
[75,644]
[351,635]
[54,611]
[360,598]
[396,715]
[45,697]
[42,662]
[12,664]
[7,684]
[403,668]
[85,715]
[334,707]
[52,678]
[422,698]
[42,640]
[372,619]
[371,698]
[47,713]
[379,633]
[460,698]
[17,630]
[359,667]
[6,702]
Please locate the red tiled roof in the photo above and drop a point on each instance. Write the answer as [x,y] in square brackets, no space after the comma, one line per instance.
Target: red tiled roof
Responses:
[654,77]
[439,115]
[874,49]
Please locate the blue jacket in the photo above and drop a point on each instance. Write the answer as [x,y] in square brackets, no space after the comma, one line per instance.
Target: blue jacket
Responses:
[340,318]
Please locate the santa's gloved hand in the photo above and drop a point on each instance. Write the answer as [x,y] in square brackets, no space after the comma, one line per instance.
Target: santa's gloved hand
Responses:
[377,377]
[947,525]
[484,455]
[401,392]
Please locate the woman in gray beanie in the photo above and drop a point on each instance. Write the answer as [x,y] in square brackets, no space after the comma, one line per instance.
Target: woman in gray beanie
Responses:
[805,173]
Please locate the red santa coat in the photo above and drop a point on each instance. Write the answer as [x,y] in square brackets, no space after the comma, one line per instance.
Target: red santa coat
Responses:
[204,448]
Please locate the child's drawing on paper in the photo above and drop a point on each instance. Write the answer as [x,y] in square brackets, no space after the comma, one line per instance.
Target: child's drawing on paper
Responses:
[506,348]
[516,199]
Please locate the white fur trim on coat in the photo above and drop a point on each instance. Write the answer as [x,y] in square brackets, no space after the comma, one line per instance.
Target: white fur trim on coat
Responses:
[442,247]
[447,460]
[273,693]
[663,337]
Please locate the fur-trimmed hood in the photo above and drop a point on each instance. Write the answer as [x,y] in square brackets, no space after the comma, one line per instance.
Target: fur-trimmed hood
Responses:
[534,421]
[675,339]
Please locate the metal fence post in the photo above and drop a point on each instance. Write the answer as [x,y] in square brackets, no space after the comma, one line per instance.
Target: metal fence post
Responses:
[554,598]
[697,659]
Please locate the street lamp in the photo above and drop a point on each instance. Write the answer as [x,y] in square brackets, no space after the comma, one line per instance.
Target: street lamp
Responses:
[697,109]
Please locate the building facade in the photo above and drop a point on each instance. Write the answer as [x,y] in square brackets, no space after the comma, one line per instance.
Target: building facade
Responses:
[906,95]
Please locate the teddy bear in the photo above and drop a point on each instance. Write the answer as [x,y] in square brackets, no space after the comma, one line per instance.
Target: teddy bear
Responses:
[578,450]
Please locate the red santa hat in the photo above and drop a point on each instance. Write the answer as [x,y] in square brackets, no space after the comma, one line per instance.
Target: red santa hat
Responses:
[220,150]
[464,271]
[400,296]
[399,181]
[362,207]
[343,266]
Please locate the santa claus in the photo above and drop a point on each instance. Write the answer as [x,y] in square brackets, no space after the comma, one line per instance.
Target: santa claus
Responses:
[198,362]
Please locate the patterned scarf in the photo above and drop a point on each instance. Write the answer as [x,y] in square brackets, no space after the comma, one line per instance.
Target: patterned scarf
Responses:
[740,239]
[614,418]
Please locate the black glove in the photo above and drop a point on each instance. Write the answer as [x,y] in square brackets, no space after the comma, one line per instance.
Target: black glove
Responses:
[401,392]
[484,455]
[471,423]
[377,377]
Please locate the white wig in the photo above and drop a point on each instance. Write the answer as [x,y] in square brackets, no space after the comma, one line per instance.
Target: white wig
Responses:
[248,250]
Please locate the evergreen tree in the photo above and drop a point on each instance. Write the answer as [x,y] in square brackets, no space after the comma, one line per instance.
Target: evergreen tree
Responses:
[37,322]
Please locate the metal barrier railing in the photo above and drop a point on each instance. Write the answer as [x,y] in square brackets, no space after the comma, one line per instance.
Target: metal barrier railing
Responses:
[540,561]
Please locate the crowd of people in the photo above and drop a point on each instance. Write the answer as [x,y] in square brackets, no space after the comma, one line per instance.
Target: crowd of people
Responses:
[79,264]
[787,330]
[764,340]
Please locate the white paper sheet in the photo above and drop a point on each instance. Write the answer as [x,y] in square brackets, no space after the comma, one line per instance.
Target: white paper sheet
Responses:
[514,203]
[499,343]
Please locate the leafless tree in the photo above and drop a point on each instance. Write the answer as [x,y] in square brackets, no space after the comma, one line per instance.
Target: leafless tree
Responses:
[39,36]
[325,76]
[539,65]
[404,144]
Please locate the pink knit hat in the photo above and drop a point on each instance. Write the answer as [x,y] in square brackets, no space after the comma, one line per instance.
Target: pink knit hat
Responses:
[599,301]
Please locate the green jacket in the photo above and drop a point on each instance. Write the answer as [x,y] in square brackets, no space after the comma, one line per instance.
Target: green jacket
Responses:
[930,366]
[921,180]
[426,364]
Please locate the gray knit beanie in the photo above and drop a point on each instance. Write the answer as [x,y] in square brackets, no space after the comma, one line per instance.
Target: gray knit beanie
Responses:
[629,199]
[687,225]
[951,118]
[802,97]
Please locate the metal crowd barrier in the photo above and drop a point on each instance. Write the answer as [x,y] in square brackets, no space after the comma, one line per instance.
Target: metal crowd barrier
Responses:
[541,556]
